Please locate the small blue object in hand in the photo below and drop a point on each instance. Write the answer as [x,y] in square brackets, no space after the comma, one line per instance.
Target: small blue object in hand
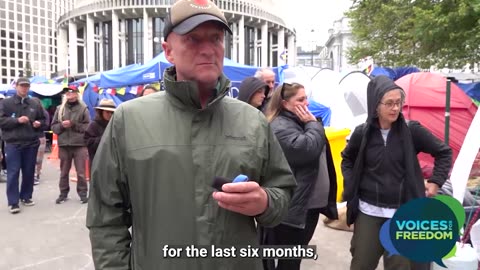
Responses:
[240,178]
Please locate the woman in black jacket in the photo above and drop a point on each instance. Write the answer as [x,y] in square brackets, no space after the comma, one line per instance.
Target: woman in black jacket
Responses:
[302,138]
[381,172]
[95,130]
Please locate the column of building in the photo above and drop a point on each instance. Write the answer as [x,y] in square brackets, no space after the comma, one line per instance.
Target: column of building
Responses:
[90,36]
[292,51]
[62,49]
[147,37]
[281,46]
[241,40]
[264,56]
[115,41]
[72,48]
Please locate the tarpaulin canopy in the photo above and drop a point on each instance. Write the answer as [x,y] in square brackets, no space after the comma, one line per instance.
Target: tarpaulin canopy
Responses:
[126,75]
[471,89]
[393,73]
[426,102]
[43,89]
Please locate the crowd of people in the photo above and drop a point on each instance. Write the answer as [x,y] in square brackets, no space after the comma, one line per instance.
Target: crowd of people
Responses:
[154,159]
[23,124]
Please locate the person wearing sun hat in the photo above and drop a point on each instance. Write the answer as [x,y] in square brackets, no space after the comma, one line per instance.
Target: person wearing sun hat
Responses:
[155,168]
[94,132]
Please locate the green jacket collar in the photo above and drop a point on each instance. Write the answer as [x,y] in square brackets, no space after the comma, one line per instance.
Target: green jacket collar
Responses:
[185,93]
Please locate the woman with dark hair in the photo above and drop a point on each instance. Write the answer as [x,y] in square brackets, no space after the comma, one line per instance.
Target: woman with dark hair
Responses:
[302,138]
[147,90]
[94,132]
[381,172]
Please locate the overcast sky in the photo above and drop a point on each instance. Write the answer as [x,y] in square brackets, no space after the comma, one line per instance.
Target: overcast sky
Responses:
[318,15]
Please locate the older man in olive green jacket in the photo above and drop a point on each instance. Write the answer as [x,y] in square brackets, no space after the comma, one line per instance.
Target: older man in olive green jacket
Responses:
[154,169]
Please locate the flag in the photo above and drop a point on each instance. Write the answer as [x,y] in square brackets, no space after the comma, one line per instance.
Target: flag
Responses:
[65,81]
[121,91]
[82,87]
[366,65]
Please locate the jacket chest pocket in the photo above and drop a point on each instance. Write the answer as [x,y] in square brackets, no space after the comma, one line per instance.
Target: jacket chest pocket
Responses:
[237,157]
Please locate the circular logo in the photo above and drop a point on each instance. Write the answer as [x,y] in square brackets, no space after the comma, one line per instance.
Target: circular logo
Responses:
[424,229]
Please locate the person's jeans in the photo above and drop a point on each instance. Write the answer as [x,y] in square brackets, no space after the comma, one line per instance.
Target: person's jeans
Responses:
[20,158]
[79,156]
[289,236]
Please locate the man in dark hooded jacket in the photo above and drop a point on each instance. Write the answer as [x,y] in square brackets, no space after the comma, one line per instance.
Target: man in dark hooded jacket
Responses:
[253,91]
[381,172]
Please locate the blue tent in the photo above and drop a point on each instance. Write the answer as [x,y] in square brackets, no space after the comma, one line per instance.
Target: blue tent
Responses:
[153,70]
[320,111]
[393,73]
[131,75]
[92,79]
[471,89]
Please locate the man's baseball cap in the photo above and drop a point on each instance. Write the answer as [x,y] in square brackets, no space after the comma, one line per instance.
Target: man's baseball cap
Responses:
[185,15]
[22,80]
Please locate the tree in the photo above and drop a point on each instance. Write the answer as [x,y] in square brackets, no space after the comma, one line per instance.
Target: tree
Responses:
[416,32]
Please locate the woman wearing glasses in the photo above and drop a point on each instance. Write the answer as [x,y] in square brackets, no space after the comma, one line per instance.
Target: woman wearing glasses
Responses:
[381,172]
[302,138]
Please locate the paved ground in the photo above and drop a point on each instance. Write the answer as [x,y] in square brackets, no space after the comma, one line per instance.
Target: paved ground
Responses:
[54,237]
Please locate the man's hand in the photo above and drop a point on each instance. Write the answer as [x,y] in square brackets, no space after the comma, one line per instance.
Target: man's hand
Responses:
[66,123]
[246,198]
[431,189]
[36,124]
[23,119]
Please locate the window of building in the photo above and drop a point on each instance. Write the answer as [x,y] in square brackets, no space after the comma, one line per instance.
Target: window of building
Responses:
[4,62]
[4,43]
[27,10]
[35,20]
[4,72]
[12,73]
[4,53]
[3,33]
[4,81]
[12,54]
[12,63]
[42,12]
[3,5]
[11,15]
[10,6]
[12,44]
